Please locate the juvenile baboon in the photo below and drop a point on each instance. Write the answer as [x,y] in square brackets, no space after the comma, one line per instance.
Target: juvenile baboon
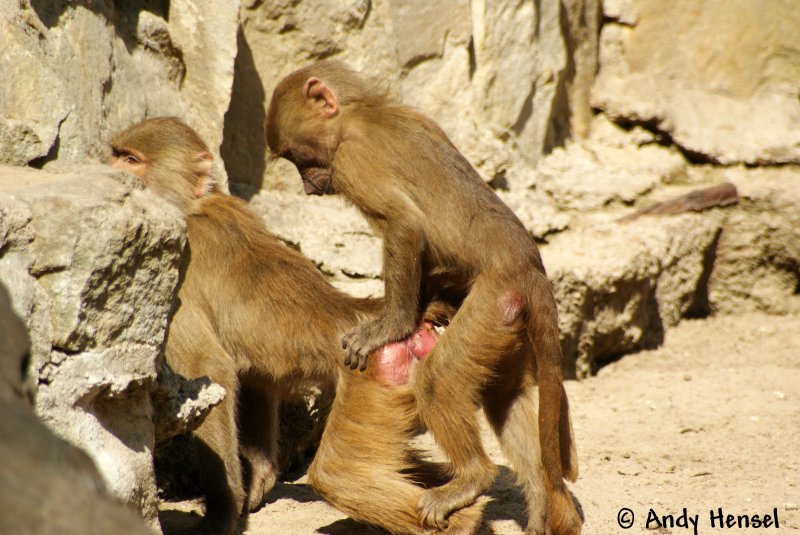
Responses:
[257,317]
[445,235]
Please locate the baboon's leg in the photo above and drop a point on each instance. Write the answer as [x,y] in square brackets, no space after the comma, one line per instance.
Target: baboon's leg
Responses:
[259,401]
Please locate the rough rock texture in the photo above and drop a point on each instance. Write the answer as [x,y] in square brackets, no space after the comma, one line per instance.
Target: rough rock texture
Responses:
[718,76]
[308,223]
[91,263]
[493,74]
[619,286]
[181,404]
[609,167]
[81,70]
[46,484]
[339,241]
[581,33]
[757,263]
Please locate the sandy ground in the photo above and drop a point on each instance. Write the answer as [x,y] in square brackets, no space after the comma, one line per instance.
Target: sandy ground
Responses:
[709,420]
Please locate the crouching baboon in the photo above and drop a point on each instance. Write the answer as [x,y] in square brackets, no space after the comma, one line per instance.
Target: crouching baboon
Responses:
[257,317]
[444,232]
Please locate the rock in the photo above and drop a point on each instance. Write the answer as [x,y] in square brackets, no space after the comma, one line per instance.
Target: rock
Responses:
[340,242]
[575,179]
[91,262]
[621,11]
[757,264]
[206,37]
[182,404]
[536,211]
[333,235]
[151,62]
[492,74]
[520,58]
[28,125]
[420,28]
[46,484]
[618,286]
[610,167]
[719,77]
[582,35]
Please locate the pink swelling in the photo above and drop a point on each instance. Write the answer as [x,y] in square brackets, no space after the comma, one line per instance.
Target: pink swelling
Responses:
[393,362]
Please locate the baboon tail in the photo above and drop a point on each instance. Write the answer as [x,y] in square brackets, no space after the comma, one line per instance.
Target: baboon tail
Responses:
[569,452]
[559,456]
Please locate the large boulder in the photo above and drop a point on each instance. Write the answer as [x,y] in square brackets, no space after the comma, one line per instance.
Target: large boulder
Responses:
[46,484]
[91,261]
[757,264]
[718,76]
[607,169]
[620,283]
[619,286]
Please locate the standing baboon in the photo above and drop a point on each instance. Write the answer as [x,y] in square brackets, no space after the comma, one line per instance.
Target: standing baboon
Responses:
[445,233]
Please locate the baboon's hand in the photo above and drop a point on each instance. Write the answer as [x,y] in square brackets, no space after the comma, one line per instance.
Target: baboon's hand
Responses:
[365,338]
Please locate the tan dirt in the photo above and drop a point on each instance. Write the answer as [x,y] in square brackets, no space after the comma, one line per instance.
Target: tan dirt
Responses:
[709,420]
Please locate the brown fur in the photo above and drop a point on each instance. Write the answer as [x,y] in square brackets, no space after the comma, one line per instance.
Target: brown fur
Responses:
[379,484]
[446,236]
[257,317]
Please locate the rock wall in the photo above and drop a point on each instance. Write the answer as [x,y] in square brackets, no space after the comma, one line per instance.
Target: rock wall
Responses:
[91,261]
[508,80]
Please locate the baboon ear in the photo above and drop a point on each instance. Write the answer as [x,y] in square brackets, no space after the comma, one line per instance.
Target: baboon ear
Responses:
[321,96]
[206,183]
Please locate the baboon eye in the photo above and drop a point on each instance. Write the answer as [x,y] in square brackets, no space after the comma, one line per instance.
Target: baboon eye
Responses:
[131,159]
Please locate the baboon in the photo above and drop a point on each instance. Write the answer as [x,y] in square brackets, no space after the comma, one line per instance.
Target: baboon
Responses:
[257,317]
[446,235]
